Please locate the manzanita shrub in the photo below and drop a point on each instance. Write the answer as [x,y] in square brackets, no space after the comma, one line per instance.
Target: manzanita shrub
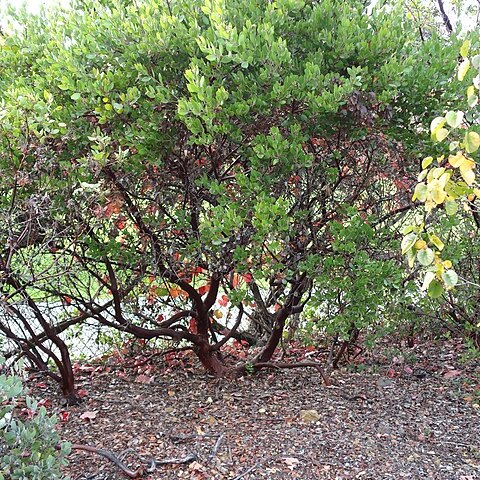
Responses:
[188,169]
[30,448]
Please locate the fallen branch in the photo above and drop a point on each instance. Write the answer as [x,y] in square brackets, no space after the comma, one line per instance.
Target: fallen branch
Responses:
[113,458]
[246,472]
[180,438]
[152,462]
[178,461]
[217,446]
[279,365]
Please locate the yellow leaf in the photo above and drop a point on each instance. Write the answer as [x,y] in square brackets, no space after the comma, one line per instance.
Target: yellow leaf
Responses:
[468,176]
[437,242]
[438,194]
[439,270]
[420,244]
[426,162]
[472,142]
[420,192]
[447,264]
[437,172]
[468,164]
[456,160]
[437,124]
[445,178]
[429,204]
[463,69]
[465,48]
[440,134]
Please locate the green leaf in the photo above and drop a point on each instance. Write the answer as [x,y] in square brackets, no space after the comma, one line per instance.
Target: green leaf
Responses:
[476,61]
[429,276]
[463,69]
[420,192]
[472,100]
[425,256]
[472,141]
[451,207]
[408,242]
[75,96]
[454,119]
[435,289]
[450,278]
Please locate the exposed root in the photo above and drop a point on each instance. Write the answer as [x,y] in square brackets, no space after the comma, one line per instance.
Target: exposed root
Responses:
[140,471]
[112,457]
[279,365]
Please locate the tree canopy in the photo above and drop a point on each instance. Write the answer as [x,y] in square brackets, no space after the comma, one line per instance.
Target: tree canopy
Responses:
[180,170]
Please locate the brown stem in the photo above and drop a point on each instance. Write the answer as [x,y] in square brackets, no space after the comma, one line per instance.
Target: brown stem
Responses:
[231,333]
[209,358]
[274,339]
[446,20]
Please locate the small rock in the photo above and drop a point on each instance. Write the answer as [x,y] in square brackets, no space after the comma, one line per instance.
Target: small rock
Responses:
[384,382]
[419,373]
[309,415]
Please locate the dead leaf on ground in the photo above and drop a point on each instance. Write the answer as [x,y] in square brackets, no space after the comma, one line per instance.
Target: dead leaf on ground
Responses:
[144,379]
[88,415]
[452,373]
[291,462]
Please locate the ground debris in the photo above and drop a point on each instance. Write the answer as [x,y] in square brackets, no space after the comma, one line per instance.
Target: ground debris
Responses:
[252,428]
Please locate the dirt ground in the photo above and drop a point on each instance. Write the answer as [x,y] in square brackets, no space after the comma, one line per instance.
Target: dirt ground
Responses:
[411,413]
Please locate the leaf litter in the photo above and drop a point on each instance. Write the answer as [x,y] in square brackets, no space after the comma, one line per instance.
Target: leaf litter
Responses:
[386,422]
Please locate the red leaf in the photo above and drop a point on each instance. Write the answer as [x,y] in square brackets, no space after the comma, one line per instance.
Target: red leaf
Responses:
[64,416]
[82,393]
[223,302]
[204,289]
[121,224]
[248,277]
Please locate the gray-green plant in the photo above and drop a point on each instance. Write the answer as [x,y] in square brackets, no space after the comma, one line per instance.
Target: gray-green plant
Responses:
[30,449]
